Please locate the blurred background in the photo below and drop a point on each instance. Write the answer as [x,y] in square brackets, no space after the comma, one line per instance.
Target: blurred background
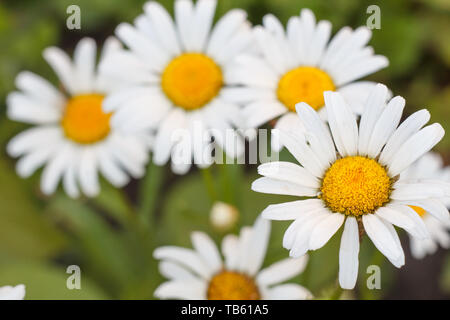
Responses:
[112,237]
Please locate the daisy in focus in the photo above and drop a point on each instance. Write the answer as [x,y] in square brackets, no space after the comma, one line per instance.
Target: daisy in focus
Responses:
[299,65]
[72,137]
[200,273]
[352,178]
[430,166]
[12,293]
[179,68]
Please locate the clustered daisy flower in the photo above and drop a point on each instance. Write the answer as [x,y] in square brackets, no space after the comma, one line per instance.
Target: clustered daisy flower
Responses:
[200,273]
[430,167]
[180,68]
[72,137]
[352,177]
[299,65]
[183,85]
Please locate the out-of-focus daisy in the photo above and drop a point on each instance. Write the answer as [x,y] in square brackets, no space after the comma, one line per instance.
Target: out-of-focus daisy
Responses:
[72,136]
[201,274]
[352,177]
[12,293]
[299,65]
[430,166]
[180,68]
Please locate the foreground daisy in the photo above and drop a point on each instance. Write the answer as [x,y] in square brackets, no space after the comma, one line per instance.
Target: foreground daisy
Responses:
[12,293]
[352,177]
[430,166]
[201,274]
[299,65]
[72,137]
[180,69]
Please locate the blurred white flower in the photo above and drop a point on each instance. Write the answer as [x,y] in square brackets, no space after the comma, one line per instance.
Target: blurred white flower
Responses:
[72,137]
[299,65]
[430,166]
[201,274]
[179,68]
[12,293]
[352,177]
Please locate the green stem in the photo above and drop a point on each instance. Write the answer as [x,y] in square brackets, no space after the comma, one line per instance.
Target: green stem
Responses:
[209,183]
[149,192]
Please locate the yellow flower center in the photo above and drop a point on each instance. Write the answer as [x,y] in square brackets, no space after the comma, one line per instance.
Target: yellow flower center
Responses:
[191,80]
[229,285]
[421,212]
[355,186]
[84,120]
[304,84]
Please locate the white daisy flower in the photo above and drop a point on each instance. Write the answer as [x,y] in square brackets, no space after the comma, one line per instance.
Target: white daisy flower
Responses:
[299,65]
[72,136]
[430,166]
[180,68]
[352,177]
[201,274]
[12,293]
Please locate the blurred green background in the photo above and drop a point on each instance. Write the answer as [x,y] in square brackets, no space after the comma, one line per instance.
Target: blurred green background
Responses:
[111,238]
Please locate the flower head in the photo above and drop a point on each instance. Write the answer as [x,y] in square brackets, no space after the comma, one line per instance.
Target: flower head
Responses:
[179,68]
[352,177]
[299,65]
[200,273]
[430,166]
[73,138]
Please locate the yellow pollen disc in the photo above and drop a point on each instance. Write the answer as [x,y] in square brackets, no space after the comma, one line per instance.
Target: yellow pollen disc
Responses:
[355,186]
[191,80]
[229,285]
[84,120]
[421,212]
[304,84]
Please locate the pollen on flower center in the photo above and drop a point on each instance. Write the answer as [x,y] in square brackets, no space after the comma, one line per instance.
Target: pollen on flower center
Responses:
[355,186]
[304,84]
[191,80]
[420,211]
[230,285]
[84,120]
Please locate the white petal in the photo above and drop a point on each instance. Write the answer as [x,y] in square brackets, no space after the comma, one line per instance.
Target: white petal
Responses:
[324,230]
[185,257]
[174,271]
[409,127]
[257,246]
[84,64]
[63,67]
[416,146]
[184,11]
[12,293]
[342,123]
[417,191]
[164,26]
[316,127]
[230,250]
[88,173]
[54,170]
[164,142]
[291,210]
[381,236]
[386,125]
[201,24]
[395,217]
[372,111]
[39,88]
[268,185]
[207,250]
[187,290]
[348,254]
[290,172]
[282,270]
[289,291]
